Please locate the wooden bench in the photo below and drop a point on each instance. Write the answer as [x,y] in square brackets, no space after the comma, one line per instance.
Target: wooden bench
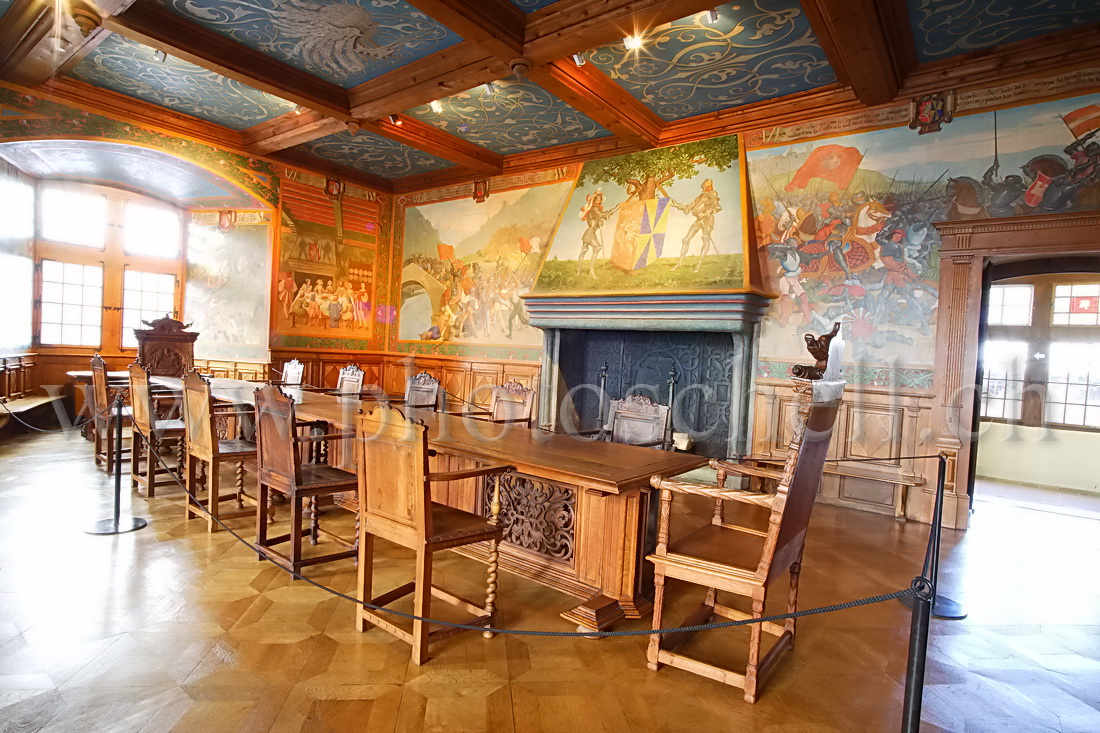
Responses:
[771,469]
[21,405]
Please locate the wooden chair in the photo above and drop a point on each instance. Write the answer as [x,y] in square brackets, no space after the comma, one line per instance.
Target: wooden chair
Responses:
[422,390]
[510,402]
[635,420]
[206,452]
[395,500]
[144,466]
[292,374]
[281,469]
[104,417]
[746,553]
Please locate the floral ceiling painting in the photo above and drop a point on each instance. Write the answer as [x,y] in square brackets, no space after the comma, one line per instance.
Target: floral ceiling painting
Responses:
[513,116]
[944,29]
[743,53]
[136,70]
[346,43]
[375,154]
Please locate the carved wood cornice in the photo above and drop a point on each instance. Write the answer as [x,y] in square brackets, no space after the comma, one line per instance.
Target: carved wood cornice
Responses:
[856,40]
[958,235]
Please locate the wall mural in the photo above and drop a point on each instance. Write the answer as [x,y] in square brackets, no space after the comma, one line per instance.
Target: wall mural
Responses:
[516,117]
[666,220]
[844,226]
[136,70]
[326,275]
[754,50]
[942,29]
[466,264]
[347,43]
[375,154]
[222,300]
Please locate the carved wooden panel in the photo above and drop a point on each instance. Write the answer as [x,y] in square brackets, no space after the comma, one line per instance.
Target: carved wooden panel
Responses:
[872,432]
[482,378]
[538,515]
[454,383]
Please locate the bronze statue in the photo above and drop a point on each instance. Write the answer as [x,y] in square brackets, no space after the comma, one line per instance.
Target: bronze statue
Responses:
[819,349]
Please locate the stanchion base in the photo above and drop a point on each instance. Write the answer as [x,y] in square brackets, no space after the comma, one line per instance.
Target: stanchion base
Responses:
[944,608]
[124,525]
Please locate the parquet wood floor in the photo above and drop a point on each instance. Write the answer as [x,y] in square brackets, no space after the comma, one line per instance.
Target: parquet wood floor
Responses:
[171,629]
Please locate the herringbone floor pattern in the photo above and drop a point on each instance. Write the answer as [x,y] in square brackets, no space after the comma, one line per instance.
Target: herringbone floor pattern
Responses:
[170,629]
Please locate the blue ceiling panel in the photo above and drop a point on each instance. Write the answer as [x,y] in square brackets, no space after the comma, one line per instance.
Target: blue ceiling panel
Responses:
[945,29]
[4,5]
[346,43]
[518,116]
[530,6]
[753,51]
[130,68]
[375,154]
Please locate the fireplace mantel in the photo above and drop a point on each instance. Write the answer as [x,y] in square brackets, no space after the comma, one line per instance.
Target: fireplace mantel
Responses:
[731,312]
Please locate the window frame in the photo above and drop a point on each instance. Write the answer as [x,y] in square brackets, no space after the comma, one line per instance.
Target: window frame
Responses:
[112,258]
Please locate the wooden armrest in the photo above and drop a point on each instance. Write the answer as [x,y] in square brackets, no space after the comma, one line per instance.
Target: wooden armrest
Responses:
[166,395]
[326,436]
[712,492]
[470,473]
[743,469]
[243,413]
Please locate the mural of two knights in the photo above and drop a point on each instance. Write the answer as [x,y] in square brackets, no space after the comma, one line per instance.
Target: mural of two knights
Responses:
[845,226]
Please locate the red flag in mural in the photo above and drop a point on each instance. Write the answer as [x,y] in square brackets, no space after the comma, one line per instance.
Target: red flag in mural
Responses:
[524,245]
[1083,121]
[834,163]
[1034,195]
[446,251]
[1080,304]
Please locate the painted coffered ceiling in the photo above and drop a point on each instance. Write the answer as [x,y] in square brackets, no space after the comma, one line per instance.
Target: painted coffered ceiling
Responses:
[136,70]
[406,93]
[944,29]
[142,170]
[513,116]
[745,52]
[375,154]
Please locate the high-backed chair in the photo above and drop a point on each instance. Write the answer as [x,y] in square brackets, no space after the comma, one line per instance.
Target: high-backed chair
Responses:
[145,468]
[206,452]
[281,469]
[638,420]
[422,390]
[292,374]
[350,382]
[395,500]
[747,550]
[510,402]
[104,417]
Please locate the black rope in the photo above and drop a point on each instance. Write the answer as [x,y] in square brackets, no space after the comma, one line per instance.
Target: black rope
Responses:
[912,590]
[738,459]
[74,426]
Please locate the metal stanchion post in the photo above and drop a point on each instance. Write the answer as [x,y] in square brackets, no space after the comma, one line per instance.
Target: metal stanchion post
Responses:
[942,607]
[918,655]
[118,524]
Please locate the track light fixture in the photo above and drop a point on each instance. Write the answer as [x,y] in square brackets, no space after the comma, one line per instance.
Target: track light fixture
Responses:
[299,109]
[579,59]
[436,106]
[394,120]
[712,16]
[491,87]
[634,42]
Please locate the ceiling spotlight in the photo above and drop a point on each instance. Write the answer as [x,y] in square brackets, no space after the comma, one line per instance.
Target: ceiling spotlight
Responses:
[299,109]
[394,120]
[579,59]
[491,87]
[162,56]
[633,43]
[436,106]
[712,16]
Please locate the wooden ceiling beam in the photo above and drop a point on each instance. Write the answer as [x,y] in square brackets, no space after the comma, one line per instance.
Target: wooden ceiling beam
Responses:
[301,159]
[567,27]
[856,41]
[73,93]
[155,26]
[1053,53]
[453,70]
[589,90]
[497,26]
[286,131]
[429,139]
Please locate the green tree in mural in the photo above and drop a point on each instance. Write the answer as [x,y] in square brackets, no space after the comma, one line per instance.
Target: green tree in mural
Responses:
[643,173]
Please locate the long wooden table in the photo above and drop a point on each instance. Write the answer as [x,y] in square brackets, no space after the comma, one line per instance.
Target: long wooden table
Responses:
[578,514]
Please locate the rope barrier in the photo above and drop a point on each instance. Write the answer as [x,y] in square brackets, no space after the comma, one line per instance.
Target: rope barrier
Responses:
[74,426]
[914,589]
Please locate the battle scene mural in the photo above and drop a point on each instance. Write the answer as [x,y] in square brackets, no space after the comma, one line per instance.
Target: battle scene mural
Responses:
[325,279]
[466,265]
[666,220]
[844,226]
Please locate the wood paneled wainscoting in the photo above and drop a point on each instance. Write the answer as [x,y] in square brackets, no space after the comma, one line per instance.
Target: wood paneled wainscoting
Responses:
[17,376]
[460,377]
[877,423]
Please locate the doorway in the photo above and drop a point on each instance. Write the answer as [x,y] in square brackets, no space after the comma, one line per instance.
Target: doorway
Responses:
[1039,372]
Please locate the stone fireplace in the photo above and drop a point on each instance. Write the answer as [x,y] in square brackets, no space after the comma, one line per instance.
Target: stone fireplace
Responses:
[705,343]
